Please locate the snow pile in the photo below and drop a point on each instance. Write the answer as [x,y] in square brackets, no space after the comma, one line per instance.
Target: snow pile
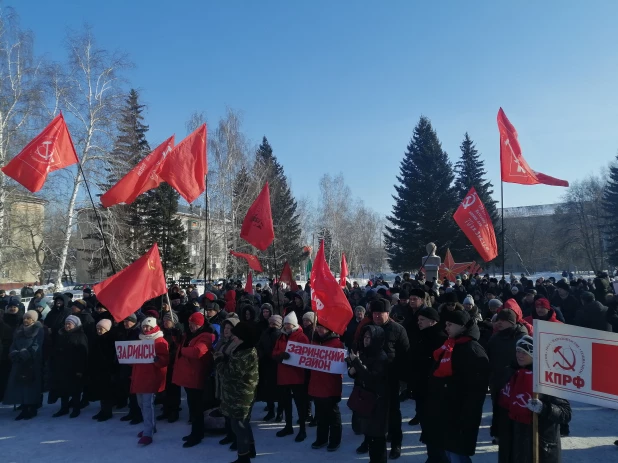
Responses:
[51,440]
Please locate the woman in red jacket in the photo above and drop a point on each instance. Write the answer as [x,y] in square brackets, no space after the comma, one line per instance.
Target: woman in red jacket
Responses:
[291,379]
[326,389]
[147,379]
[193,365]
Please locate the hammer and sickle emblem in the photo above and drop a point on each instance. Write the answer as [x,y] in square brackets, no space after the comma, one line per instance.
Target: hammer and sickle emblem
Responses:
[468,201]
[151,265]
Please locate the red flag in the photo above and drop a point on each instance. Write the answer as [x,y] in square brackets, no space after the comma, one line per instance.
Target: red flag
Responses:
[514,167]
[257,228]
[287,277]
[125,292]
[474,220]
[327,298]
[344,270]
[50,150]
[143,177]
[254,263]
[249,285]
[186,166]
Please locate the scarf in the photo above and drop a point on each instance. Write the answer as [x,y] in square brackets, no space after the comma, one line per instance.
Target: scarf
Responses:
[155,333]
[515,395]
[443,355]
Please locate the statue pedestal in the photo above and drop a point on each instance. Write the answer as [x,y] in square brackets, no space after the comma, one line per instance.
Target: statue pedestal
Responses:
[432,264]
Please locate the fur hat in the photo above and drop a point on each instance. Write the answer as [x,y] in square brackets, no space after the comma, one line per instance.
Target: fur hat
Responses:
[379,305]
[561,284]
[458,317]
[150,322]
[105,323]
[197,318]
[507,315]
[418,292]
[80,304]
[74,320]
[277,320]
[403,294]
[245,332]
[450,298]
[32,314]
[430,313]
[291,319]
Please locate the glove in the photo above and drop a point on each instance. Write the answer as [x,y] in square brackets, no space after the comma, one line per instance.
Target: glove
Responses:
[535,406]
[285,356]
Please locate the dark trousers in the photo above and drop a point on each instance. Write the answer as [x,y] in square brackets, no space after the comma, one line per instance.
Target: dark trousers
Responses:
[134,409]
[327,411]
[171,402]
[106,406]
[299,392]
[394,413]
[244,434]
[71,401]
[196,411]
[229,433]
[377,449]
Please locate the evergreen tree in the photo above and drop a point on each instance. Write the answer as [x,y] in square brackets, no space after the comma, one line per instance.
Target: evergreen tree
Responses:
[470,170]
[610,204]
[425,201]
[123,223]
[283,205]
[163,226]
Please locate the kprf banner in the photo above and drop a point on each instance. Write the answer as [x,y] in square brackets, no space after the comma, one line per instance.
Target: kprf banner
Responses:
[319,358]
[473,218]
[576,363]
[135,351]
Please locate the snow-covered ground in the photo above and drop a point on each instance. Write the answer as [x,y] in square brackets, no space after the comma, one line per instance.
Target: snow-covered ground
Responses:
[43,439]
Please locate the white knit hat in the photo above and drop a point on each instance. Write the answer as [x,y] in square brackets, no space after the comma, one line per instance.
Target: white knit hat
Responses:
[309,316]
[291,319]
[105,323]
[468,300]
[32,314]
[149,321]
[74,320]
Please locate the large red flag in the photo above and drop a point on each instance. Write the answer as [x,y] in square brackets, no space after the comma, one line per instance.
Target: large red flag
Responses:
[252,260]
[257,228]
[287,277]
[50,150]
[186,166]
[514,167]
[125,292]
[249,284]
[143,177]
[327,298]
[344,270]
[474,220]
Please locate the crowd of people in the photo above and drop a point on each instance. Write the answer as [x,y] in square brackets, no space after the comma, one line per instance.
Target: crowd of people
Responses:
[445,345]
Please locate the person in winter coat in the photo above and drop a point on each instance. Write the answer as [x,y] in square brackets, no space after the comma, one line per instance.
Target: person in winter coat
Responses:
[224,348]
[457,389]
[516,411]
[147,379]
[230,301]
[172,333]
[291,379]
[78,308]
[54,320]
[6,339]
[566,302]
[240,373]
[266,311]
[26,353]
[129,330]
[501,353]
[430,337]
[214,313]
[194,363]
[248,314]
[268,390]
[348,337]
[103,370]
[473,310]
[542,311]
[593,314]
[326,390]
[369,369]
[69,364]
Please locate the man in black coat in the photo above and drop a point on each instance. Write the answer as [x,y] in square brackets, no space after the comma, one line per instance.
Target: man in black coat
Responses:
[396,347]
[566,302]
[593,314]
[457,389]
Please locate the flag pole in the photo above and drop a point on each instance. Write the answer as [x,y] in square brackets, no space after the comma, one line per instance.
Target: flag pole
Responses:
[502,207]
[96,213]
[275,275]
[206,269]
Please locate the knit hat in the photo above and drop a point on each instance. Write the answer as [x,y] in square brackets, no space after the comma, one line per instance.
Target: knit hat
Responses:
[74,320]
[151,312]
[171,316]
[561,284]
[507,315]
[494,304]
[458,317]
[430,313]
[291,319]
[197,318]
[379,305]
[267,306]
[418,292]
[514,289]
[309,316]
[277,320]
[245,332]
[361,308]
[403,294]
[132,318]
[468,300]
[542,302]
[105,323]
[80,304]
[525,344]
[210,296]
[32,314]
[150,322]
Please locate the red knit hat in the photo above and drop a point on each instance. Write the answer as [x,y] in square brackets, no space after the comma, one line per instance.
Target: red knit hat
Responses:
[197,318]
[542,302]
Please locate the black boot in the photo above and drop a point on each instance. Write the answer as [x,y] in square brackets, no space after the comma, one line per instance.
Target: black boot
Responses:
[302,435]
[63,411]
[226,440]
[252,452]
[96,417]
[137,419]
[287,431]
[279,417]
[106,411]
[243,459]
[75,413]
[334,439]
[395,452]
[22,415]
[128,417]
[363,448]
[31,412]
[414,421]
[191,442]
[234,446]
[173,417]
[321,439]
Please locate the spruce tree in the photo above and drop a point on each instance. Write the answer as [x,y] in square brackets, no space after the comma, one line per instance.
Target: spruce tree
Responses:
[424,203]
[470,171]
[610,205]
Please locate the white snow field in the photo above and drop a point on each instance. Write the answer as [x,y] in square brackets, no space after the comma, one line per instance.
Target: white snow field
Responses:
[51,440]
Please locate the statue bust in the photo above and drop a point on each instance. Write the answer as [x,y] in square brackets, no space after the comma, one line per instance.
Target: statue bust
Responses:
[431,262]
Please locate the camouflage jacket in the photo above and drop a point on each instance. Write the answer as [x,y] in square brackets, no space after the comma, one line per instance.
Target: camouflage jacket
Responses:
[240,379]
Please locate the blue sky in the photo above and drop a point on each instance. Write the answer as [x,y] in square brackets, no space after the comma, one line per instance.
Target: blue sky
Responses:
[340,85]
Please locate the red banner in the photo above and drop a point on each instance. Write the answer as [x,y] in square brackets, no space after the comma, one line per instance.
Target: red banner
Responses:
[257,227]
[249,284]
[474,220]
[344,270]
[254,263]
[287,277]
